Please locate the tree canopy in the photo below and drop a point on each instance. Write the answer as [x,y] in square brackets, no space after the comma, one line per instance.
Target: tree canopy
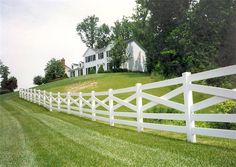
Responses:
[54,70]
[91,34]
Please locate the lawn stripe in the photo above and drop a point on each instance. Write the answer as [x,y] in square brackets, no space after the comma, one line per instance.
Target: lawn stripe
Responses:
[14,150]
[59,149]
[121,150]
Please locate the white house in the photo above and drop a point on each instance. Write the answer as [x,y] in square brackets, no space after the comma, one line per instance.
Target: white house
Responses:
[77,69]
[94,58]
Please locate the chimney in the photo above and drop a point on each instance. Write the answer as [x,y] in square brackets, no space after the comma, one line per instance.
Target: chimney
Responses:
[63,61]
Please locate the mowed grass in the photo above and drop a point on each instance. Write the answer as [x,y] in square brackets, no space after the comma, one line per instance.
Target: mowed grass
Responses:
[33,136]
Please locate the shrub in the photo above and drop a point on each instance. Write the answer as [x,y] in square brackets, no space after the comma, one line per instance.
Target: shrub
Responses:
[101,69]
[11,84]
[4,91]
[120,70]
[228,107]
[38,80]
[92,71]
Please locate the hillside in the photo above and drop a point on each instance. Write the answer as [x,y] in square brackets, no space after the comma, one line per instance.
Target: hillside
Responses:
[103,82]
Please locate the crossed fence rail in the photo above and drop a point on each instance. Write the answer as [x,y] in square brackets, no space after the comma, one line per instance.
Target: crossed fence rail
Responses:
[88,104]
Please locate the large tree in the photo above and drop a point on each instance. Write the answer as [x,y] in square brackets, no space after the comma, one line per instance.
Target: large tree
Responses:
[194,44]
[54,70]
[103,36]
[91,34]
[87,30]
[122,29]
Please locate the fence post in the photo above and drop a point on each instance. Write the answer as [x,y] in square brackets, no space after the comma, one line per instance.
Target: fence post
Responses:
[139,105]
[68,102]
[31,95]
[34,95]
[58,102]
[39,97]
[80,103]
[111,112]
[93,106]
[50,101]
[24,94]
[44,98]
[20,93]
[188,102]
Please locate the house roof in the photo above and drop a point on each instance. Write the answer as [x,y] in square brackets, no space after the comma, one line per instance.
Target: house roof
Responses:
[88,50]
[67,67]
[133,40]
[103,49]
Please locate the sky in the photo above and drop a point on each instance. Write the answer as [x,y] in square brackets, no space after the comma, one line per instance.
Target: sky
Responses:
[34,31]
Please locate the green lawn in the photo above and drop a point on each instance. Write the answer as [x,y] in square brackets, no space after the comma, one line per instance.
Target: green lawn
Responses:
[33,136]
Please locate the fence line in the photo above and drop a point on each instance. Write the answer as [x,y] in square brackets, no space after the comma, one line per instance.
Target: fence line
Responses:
[87,104]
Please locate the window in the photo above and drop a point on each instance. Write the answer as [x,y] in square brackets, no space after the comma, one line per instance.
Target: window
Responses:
[100,55]
[109,67]
[90,58]
[108,53]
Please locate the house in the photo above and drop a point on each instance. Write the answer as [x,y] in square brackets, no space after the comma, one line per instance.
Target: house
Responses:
[77,69]
[94,58]
[67,69]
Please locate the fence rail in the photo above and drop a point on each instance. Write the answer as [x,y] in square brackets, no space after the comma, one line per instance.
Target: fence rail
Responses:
[87,104]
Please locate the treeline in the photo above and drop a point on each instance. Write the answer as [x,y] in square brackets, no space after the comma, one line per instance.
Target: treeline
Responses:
[179,36]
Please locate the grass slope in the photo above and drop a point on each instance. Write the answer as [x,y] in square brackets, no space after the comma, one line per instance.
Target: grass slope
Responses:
[32,136]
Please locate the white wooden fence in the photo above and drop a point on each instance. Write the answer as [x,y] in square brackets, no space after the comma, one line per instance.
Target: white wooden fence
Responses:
[87,104]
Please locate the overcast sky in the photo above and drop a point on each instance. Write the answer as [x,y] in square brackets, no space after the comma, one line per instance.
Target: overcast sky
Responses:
[34,31]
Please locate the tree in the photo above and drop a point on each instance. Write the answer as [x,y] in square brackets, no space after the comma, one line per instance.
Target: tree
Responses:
[91,34]
[87,30]
[103,36]
[4,71]
[144,32]
[196,41]
[122,29]
[54,70]
[118,53]
[165,16]
[11,84]
[38,80]
[7,84]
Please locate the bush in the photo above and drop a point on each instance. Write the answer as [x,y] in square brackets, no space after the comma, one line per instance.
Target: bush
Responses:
[92,71]
[228,107]
[120,70]
[101,69]
[4,91]
[11,84]
[38,80]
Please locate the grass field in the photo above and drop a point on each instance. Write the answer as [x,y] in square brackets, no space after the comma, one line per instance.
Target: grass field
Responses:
[33,136]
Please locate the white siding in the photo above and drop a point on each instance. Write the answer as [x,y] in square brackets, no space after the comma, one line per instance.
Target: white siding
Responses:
[137,58]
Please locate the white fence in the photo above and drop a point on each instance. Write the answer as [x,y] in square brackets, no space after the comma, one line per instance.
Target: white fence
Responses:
[87,104]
